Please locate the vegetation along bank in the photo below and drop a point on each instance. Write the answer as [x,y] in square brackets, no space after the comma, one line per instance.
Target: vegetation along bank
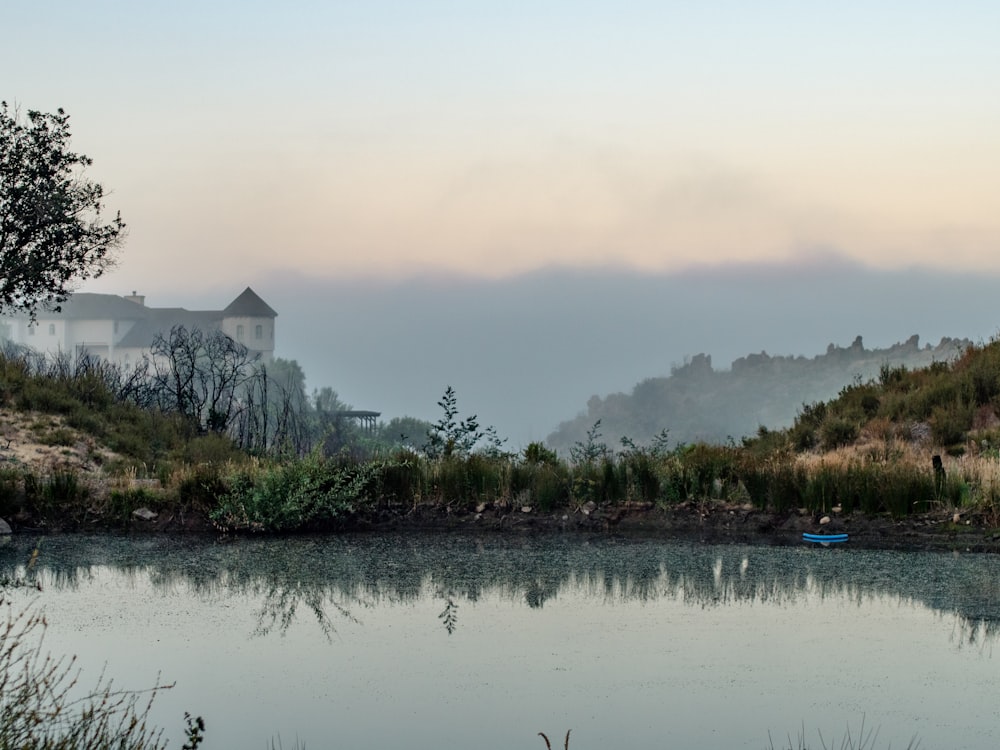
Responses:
[911,458]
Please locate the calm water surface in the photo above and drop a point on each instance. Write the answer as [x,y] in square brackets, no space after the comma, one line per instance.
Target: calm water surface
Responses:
[461,642]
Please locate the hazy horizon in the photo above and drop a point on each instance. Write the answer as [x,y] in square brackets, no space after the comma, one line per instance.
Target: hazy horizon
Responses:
[537,202]
[526,353]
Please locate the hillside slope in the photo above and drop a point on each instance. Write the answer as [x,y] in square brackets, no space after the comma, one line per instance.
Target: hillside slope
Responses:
[698,403]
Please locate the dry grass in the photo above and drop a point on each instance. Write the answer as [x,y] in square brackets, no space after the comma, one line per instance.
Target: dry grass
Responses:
[42,705]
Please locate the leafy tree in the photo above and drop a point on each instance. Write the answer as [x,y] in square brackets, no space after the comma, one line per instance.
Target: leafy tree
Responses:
[51,229]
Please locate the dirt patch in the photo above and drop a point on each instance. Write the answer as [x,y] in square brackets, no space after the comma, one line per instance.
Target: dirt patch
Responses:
[44,443]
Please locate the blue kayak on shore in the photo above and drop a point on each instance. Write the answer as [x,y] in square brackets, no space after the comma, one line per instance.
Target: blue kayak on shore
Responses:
[824,538]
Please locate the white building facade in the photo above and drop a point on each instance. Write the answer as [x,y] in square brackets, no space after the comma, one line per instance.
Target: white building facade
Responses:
[122,329]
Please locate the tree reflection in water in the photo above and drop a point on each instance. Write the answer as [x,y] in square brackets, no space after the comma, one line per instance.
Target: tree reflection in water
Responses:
[335,577]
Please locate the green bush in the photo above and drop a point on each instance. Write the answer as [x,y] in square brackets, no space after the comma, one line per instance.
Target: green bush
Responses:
[642,478]
[312,492]
[943,390]
[201,487]
[549,489]
[537,453]
[951,424]
[399,483]
[58,436]
[58,497]
[839,431]
[210,448]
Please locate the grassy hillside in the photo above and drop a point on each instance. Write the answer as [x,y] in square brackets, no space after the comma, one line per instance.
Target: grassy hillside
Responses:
[699,403]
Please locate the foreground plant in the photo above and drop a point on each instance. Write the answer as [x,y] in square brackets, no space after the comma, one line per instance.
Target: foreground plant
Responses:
[41,704]
[549,744]
[865,740]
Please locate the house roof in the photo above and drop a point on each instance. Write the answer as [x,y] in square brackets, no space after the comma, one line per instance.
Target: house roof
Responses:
[249,305]
[90,306]
[151,321]
[160,320]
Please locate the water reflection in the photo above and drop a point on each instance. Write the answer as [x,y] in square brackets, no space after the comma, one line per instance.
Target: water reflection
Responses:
[336,578]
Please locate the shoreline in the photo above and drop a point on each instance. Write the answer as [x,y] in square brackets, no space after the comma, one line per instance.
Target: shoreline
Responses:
[712,522]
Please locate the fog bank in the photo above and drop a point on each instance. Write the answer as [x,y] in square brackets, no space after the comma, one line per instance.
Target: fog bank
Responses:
[526,353]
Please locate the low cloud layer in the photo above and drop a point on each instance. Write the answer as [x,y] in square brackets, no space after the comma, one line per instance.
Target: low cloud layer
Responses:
[526,353]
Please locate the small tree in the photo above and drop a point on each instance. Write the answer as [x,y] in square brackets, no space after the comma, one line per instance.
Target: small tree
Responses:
[449,436]
[51,229]
[592,450]
[201,376]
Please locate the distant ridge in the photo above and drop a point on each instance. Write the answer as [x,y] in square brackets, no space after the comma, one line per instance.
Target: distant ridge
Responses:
[699,403]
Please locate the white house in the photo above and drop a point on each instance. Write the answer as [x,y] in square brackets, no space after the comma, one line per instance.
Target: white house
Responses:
[121,329]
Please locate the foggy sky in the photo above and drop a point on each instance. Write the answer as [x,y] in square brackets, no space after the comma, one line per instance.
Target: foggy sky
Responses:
[496,138]
[526,353]
[537,202]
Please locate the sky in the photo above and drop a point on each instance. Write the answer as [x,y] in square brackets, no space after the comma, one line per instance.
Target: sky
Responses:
[493,138]
[431,148]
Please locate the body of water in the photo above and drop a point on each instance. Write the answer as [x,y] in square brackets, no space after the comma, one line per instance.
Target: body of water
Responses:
[430,641]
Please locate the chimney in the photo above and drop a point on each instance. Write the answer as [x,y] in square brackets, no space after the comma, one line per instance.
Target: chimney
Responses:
[139,299]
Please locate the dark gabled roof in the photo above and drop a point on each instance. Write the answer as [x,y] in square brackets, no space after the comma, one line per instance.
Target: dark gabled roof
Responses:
[160,320]
[90,306]
[249,305]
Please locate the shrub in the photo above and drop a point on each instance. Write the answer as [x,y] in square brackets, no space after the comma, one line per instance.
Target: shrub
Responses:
[399,482]
[199,486]
[210,448]
[38,703]
[642,480]
[775,484]
[307,493]
[57,436]
[838,431]
[537,453]
[545,484]
[949,425]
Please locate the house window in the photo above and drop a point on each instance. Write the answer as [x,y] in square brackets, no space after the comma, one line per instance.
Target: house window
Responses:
[258,332]
[116,326]
[52,329]
[239,333]
[31,329]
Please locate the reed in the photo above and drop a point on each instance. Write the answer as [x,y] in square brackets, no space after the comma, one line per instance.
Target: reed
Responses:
[865,739]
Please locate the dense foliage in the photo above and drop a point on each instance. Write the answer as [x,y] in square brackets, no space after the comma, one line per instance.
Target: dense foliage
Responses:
[51,229]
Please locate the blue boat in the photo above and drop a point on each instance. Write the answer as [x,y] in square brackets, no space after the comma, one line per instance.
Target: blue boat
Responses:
[824,538]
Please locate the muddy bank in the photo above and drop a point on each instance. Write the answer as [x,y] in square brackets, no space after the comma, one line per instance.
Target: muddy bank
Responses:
[710,523]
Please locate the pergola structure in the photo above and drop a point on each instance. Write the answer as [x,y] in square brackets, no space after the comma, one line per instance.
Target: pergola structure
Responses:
[367,419]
